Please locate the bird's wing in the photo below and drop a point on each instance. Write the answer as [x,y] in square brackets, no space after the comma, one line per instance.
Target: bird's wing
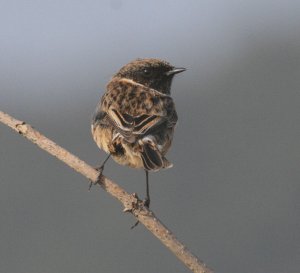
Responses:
[142,113]
[128,125]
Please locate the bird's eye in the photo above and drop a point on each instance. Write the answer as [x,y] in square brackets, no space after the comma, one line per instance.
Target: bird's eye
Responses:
[147,72]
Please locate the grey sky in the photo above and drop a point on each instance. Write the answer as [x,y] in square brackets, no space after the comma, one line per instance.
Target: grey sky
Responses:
[233,193]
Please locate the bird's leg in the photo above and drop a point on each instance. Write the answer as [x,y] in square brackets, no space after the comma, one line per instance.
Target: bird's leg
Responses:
[147,199]
[100,169]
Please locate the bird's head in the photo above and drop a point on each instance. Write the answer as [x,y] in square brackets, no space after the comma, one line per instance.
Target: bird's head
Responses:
[153,73]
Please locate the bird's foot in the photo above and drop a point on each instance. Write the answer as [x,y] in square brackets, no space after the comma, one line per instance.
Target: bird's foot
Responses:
[146,202]
[98,181]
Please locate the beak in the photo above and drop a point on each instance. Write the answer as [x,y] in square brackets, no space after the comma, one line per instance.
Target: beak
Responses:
[175,71]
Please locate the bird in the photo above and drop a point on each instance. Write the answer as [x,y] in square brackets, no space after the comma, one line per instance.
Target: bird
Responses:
[135,119]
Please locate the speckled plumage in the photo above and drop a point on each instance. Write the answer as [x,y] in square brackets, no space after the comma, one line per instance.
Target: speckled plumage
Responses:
[135,119]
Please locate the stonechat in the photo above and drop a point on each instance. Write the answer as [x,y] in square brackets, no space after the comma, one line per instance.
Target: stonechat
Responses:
[135,119]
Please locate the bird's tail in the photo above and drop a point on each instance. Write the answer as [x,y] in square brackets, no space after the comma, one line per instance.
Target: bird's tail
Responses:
[152,158]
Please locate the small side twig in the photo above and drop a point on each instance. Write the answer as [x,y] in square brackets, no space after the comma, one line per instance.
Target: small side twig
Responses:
[130,202]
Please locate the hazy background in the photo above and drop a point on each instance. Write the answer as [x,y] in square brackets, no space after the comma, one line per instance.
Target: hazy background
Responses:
[233,194]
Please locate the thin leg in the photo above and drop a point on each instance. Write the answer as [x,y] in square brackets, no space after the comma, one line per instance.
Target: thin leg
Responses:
[102,165]
[100,169]
[147,199]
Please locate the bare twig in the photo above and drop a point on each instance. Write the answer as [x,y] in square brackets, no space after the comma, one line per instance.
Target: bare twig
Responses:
[130,202]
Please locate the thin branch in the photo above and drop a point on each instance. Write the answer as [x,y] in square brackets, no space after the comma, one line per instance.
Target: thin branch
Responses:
[130,202]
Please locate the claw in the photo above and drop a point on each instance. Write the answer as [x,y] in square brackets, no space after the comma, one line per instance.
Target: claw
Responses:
[136,223]
[90,185]
[100,170]
[98,181]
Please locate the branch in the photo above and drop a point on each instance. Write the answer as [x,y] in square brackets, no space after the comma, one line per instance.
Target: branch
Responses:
[130,202]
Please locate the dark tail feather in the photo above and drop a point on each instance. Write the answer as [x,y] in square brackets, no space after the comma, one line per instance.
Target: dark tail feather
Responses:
[152,159]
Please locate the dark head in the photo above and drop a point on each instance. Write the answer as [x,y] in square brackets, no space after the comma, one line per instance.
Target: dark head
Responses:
[153,73]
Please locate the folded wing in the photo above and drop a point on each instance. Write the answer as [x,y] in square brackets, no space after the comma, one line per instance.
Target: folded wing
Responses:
[134,127]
